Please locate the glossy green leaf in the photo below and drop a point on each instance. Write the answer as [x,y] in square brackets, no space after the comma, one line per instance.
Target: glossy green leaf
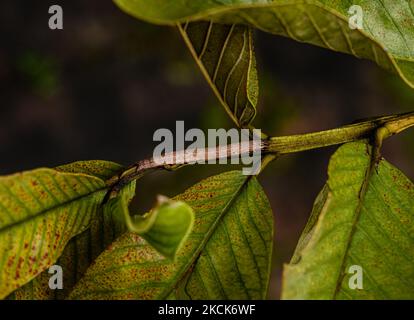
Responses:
[364,217]
[387,36]
[227,255]
[225,55]
[166,227]
[40,211]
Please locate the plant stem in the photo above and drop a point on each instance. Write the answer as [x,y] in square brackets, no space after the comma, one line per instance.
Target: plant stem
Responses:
[357,131]
[276,146]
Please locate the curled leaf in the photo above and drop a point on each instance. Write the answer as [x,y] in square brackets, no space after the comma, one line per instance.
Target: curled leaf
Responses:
[165,227]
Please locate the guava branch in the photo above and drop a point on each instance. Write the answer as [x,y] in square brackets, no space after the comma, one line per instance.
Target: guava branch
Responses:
[277,146]
[176,159]
[362,130]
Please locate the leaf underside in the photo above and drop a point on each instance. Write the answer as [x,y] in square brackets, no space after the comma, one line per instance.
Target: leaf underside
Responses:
[227,255]
[364,217]
[387,36]
[225,54]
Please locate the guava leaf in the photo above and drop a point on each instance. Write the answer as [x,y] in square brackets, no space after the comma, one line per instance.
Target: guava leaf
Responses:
[40,211]
[80,251]
[386,37]
[166,227]
[225,55]
[101,169]
[365,218]
[227,255]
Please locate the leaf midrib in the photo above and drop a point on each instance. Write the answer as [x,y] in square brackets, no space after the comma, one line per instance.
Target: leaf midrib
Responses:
[46,211]
[361,198]
[182,272]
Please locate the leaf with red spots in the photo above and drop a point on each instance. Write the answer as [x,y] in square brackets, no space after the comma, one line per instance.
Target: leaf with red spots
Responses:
[40,211]
[226,256]
[166,228]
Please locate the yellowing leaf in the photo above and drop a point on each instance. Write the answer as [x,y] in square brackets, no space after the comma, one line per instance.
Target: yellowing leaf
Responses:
[363,220]
[40,211]
[227,255]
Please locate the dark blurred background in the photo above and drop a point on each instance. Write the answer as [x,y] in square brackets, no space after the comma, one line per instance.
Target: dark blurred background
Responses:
[100,88]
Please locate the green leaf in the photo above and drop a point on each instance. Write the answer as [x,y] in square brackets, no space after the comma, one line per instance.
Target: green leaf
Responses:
[103,170]
[80,251]
[40,211]
[227,255]
[225,55]
[387,36]
[166,227]
[364,217]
